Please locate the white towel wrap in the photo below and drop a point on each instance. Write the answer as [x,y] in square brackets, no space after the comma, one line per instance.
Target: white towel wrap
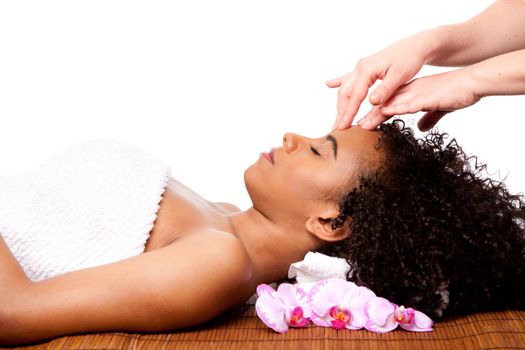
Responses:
[90,204]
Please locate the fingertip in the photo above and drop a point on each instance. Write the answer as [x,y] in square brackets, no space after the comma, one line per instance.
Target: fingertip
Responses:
[345,123]
[430,119]
[375,99]
[342,123]
[423,127]
[369,126]
[333,83]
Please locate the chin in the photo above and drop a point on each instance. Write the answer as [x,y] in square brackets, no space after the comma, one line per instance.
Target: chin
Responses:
[257,189]
[249,181]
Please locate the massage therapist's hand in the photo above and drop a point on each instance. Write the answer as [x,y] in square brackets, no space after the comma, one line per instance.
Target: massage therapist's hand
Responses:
[492,34]
[443,93]
[436,94]
[394,65]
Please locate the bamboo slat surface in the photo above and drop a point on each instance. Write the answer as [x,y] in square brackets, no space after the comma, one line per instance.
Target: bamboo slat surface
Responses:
[242,329]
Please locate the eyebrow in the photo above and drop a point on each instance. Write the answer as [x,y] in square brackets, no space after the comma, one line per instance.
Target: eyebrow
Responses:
[334,144]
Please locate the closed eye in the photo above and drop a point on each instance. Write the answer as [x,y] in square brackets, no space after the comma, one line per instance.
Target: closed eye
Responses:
[316,152]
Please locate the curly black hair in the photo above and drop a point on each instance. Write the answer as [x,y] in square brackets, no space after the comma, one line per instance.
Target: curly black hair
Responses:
[429,231]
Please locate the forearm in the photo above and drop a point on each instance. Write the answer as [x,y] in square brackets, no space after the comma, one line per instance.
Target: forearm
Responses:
[497,30]
[500,75]
[14,289]
[10,270]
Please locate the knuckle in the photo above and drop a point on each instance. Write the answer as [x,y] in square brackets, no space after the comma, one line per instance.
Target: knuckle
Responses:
[345,90]
[383,89]
[362,62]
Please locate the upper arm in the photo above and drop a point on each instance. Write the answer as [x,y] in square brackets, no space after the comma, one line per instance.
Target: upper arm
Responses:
[179,285]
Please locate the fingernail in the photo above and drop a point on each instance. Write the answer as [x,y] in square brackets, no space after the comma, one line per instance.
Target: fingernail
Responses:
[366,124]
[376,99]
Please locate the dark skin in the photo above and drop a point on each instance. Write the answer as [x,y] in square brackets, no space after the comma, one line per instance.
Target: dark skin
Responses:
[293,199]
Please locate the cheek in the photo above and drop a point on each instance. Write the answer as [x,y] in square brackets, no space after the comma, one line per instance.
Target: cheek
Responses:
[309,185]
[293,187]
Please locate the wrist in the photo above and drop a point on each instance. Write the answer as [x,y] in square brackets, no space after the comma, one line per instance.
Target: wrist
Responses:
[475,82]
[478,80]
[435,42]
[500,75]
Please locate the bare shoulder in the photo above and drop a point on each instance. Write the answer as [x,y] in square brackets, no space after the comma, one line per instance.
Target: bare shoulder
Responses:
[228,207]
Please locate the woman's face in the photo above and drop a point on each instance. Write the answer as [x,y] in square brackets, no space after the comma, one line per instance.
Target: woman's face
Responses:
[307,175]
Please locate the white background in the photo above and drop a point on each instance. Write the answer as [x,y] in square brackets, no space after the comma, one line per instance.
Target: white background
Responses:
[207,85]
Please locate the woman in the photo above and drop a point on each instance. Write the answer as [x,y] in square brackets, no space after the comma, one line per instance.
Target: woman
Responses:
[417,223]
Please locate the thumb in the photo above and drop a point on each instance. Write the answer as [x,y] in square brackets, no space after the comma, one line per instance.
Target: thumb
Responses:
[430,119]
[384,91]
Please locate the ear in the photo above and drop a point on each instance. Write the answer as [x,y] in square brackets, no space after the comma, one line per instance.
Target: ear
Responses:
[320,226]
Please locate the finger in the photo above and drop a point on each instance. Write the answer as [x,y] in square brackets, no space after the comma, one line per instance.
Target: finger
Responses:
[358,94]
[343,95]
[373,114]
[334,83]
[373,119]
[430,119]
[392,81]
[406,102]
[341,102]
[402,108]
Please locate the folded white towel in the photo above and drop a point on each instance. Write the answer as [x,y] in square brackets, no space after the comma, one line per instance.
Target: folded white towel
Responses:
[314,267]
[317,266]
[90,204]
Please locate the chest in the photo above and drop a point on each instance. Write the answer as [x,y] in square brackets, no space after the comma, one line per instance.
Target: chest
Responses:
[182,212]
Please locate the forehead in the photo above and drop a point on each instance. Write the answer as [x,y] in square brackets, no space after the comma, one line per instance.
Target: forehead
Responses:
[357,155]
[357,152]
[356,138]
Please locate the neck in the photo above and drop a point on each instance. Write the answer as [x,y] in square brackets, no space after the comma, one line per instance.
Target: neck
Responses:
[272,248]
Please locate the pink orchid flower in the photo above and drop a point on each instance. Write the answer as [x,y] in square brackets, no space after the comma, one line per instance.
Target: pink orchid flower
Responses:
[384,316]
[288,306]
[339,304]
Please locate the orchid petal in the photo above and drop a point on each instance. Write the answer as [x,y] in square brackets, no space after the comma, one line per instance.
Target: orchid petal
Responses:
[421,323]
[358,318]
[263,289]
[293,296]
[360,296]
[271,309]
[327,293]
[323,296]
[380,315]
[296,318]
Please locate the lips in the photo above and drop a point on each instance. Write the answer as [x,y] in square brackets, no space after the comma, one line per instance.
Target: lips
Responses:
[269,156]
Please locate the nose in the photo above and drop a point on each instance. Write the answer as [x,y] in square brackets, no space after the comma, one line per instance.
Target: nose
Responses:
[290,142]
